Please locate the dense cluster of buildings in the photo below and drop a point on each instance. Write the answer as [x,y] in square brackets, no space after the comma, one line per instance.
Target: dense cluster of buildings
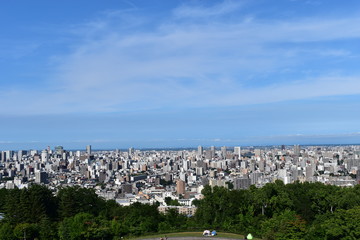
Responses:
[177,176]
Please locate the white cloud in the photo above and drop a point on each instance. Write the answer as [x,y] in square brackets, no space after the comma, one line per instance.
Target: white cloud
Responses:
[306,89]
[182,64]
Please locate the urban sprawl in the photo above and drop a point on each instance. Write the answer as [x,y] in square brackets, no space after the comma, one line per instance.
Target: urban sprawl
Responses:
[163,176]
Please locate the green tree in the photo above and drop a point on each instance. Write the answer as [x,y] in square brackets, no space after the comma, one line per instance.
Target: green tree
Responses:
[73,200]
[3,194]
[142,218]
[47,229]
[171,202]
[119,228]
[172,220]
[299,195]
[42,204]
[204,213]
[322,197]
[30,205]
[25,231]
[13,213]
[344,224]
[84,226]
[6,231]
[286,226]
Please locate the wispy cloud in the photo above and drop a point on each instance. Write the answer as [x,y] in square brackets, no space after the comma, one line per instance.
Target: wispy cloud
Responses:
[346,138]
[119,67]
[294,90]
[196,11]
[11,50]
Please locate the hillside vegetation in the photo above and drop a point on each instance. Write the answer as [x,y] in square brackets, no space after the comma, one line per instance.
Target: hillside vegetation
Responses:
[276,211]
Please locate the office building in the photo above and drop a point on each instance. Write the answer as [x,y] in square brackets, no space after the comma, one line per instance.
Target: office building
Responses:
[200,151]
[180,187]
[88,149]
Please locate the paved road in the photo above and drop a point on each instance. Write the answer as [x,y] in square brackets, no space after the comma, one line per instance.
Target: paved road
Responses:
[197,238]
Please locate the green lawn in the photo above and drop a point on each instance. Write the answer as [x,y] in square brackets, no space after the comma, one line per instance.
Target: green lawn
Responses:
[194,234]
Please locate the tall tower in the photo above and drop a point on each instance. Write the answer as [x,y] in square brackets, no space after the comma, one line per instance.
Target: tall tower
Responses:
[88,149]
[20,154]
[131,151]
[200,151]
[8,155]
[237,151]
[3,156]
[186,164]
[212,150]
[297,150]
[223,152]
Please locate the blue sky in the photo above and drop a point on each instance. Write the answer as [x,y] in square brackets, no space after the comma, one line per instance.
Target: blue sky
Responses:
[160,73]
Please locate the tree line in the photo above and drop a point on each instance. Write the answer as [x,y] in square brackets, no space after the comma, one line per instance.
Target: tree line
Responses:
[278,211]
[275,211]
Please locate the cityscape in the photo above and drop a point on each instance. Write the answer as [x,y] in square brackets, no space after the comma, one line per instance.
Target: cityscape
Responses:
[152,176]
[141,119]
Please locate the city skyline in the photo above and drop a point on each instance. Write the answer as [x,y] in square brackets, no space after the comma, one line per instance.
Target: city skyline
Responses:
[163,74]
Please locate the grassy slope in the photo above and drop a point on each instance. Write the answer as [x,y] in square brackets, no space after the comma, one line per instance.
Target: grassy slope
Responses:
[194,234]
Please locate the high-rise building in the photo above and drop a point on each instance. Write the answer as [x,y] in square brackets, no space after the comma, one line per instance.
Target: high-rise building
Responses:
[21,153]
[242,183]
[237,151]
[102,176]
[3,156]
[255,176]
[211,153]
[8,155]
[257,152]
[309,171]
[131,151]
[200,150]
[44,156]
[261,165]
[180,187]
[223,152]
[88,149]
[40,177]
[59,150]
[33,152]
[186,164]
[126,188]
[297,150]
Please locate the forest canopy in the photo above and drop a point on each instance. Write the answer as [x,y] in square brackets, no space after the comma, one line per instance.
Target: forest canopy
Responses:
[275,211]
